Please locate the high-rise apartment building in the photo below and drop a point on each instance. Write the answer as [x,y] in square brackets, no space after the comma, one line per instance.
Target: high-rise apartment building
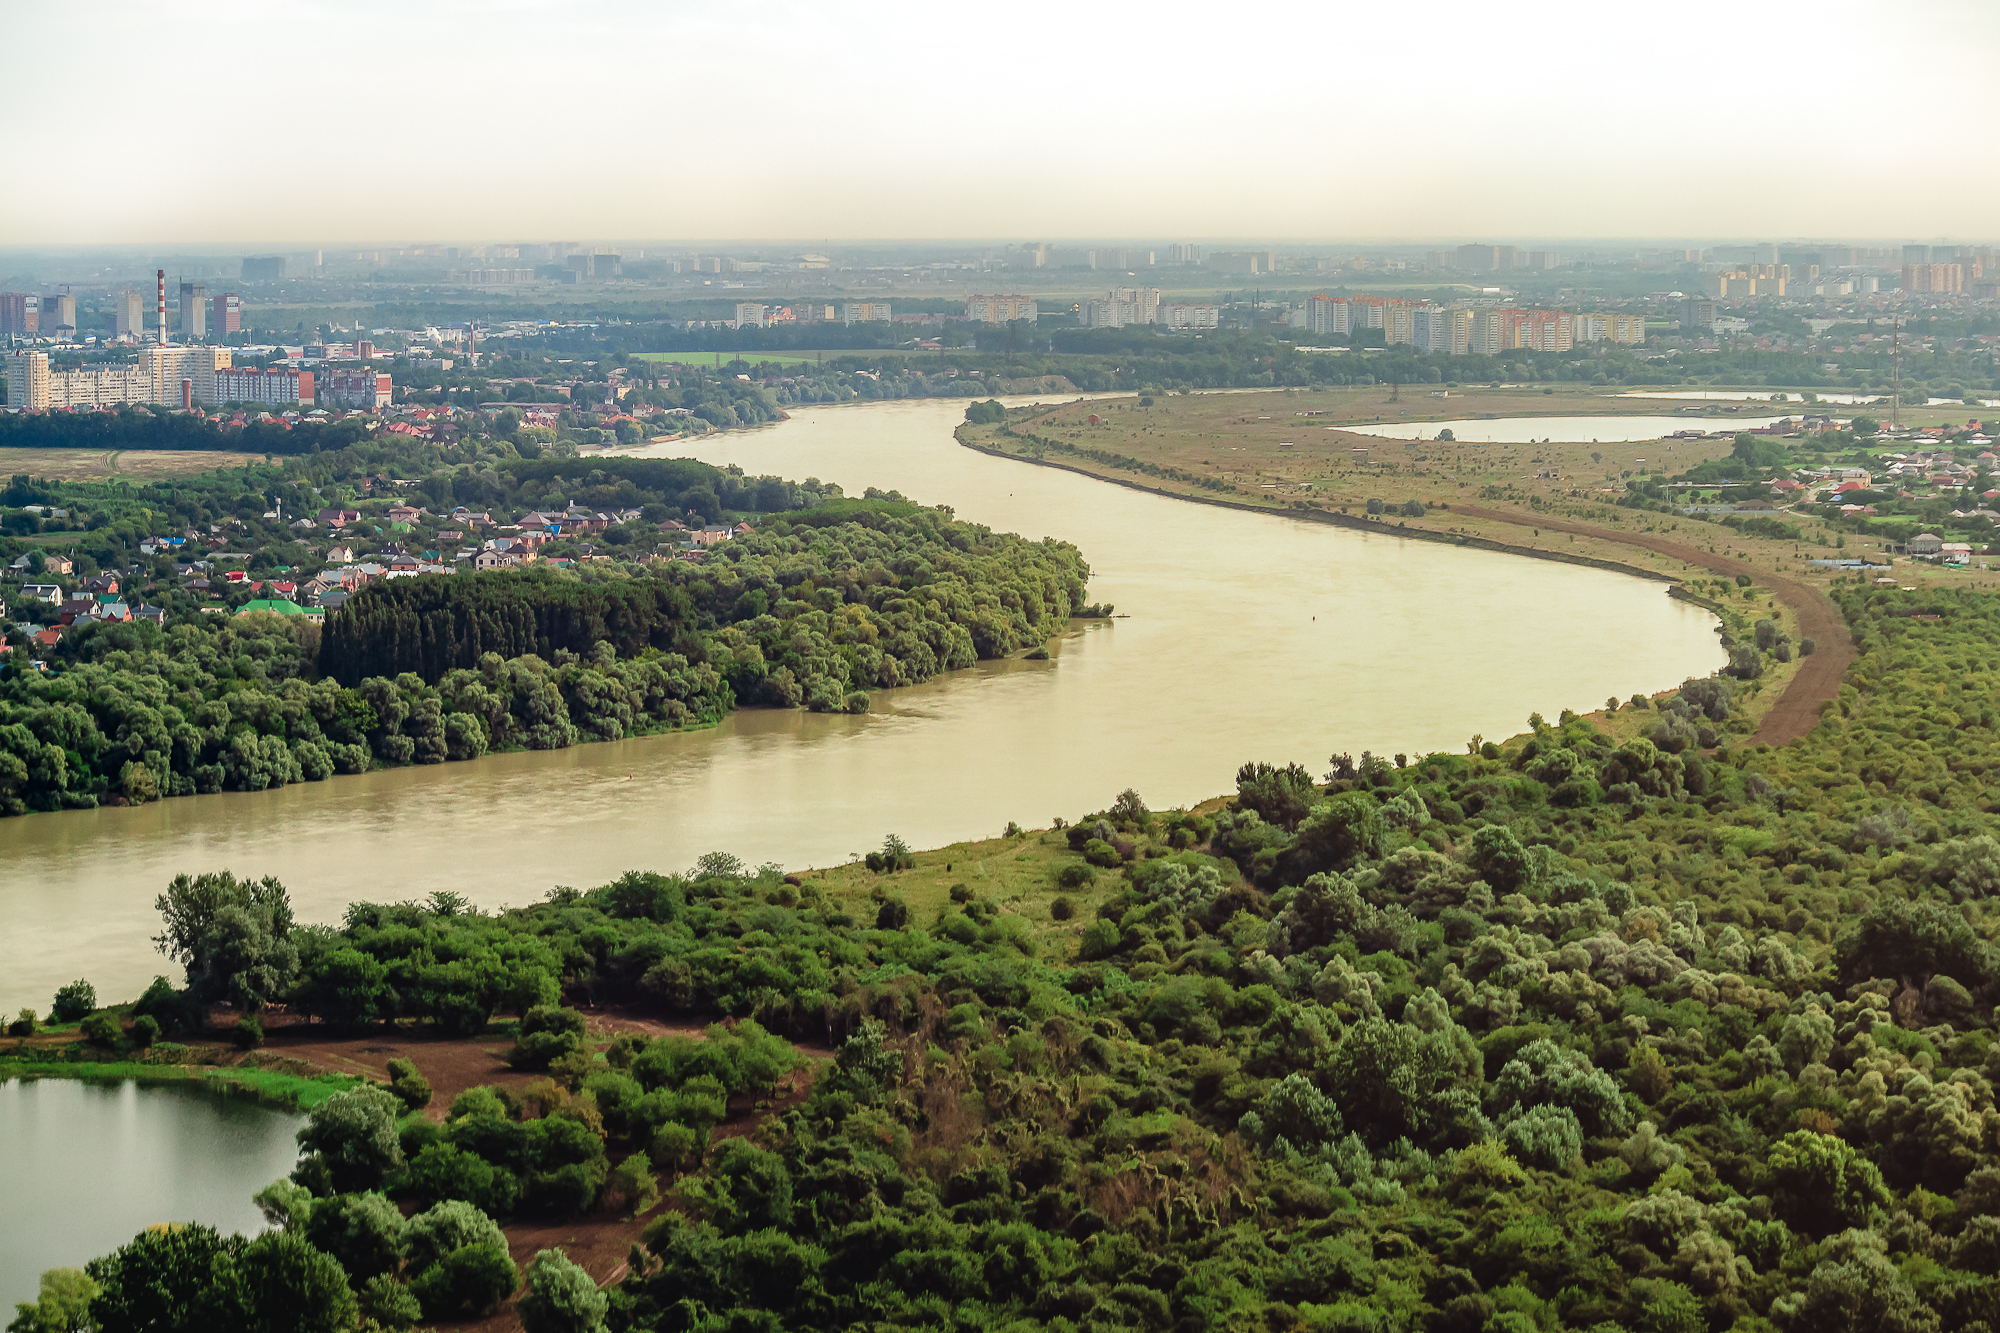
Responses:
[1000,309]
[1544,259]
[228,315]
[366,389]
[1184,317]
[128,314]
[1183,254]
[864,312]
[1323,312]
[167,367]
[1435,328]
[58,315]
[751,315]
[28,381]
[20,314]
[1399,323]
[1121,306]
[263,268]
[194,311]
[1916,254]
[1546,331]
[274,387]
[1940,278]
[1478,258]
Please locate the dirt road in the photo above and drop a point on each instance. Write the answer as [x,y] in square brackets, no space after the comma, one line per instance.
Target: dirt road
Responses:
[1819,676]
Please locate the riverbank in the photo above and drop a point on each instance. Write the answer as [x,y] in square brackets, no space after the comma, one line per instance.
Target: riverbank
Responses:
[1787,714]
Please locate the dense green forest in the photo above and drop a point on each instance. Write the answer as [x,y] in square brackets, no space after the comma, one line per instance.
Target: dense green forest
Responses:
[1561,1034]
[813,611]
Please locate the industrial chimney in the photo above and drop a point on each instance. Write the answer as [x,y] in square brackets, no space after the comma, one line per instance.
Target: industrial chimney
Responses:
[161,275]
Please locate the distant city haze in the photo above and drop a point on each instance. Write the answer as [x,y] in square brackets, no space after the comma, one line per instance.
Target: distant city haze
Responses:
[234,121]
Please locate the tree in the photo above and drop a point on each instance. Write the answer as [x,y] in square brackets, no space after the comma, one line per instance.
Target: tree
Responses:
[233,937]
[1545,1074]
[546,1033]
[163,1281]
[353,1134]
[561,1297]
[1281,795]
[285,1285]
[73,1002]
[1339,830]
[1821,1184]
[459,1258]
[63,1305]
[363,1231]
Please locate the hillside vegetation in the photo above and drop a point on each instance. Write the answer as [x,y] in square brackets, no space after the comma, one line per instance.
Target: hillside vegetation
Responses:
[1570,1033]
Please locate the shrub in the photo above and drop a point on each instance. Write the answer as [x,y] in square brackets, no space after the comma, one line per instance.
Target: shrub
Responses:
[441,1171]
[672,1146]
[73,1001]
[561,1297]
[1075,875]
[1062,909]
[101,1030]
[389,1303]
[23,1024]
[546,1032]
[635,1183]
[409,1084]
[145,1031]
[249,1032]
[1101,853]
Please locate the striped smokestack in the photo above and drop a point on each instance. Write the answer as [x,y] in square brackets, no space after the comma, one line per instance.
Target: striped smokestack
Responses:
[162,276]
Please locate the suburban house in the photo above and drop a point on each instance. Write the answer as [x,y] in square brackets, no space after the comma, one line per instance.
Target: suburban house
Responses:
[1926,543]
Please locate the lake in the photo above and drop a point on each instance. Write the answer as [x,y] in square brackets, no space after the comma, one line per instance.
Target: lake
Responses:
[1249,636]
[1527,430]
[90,1165]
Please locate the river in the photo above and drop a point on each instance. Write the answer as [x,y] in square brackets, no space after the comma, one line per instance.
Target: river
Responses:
[90,1165]
[1249,637]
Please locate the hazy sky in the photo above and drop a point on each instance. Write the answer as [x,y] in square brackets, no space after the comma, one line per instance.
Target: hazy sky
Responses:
[336,120]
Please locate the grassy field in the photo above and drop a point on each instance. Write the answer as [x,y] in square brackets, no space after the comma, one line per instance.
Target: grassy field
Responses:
[1264,450]
[1017,871]
[107,464]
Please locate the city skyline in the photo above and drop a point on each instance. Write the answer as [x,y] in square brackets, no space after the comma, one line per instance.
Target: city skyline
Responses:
[1562,122]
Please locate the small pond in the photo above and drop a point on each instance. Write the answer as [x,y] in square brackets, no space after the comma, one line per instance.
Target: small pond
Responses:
[89,1165]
